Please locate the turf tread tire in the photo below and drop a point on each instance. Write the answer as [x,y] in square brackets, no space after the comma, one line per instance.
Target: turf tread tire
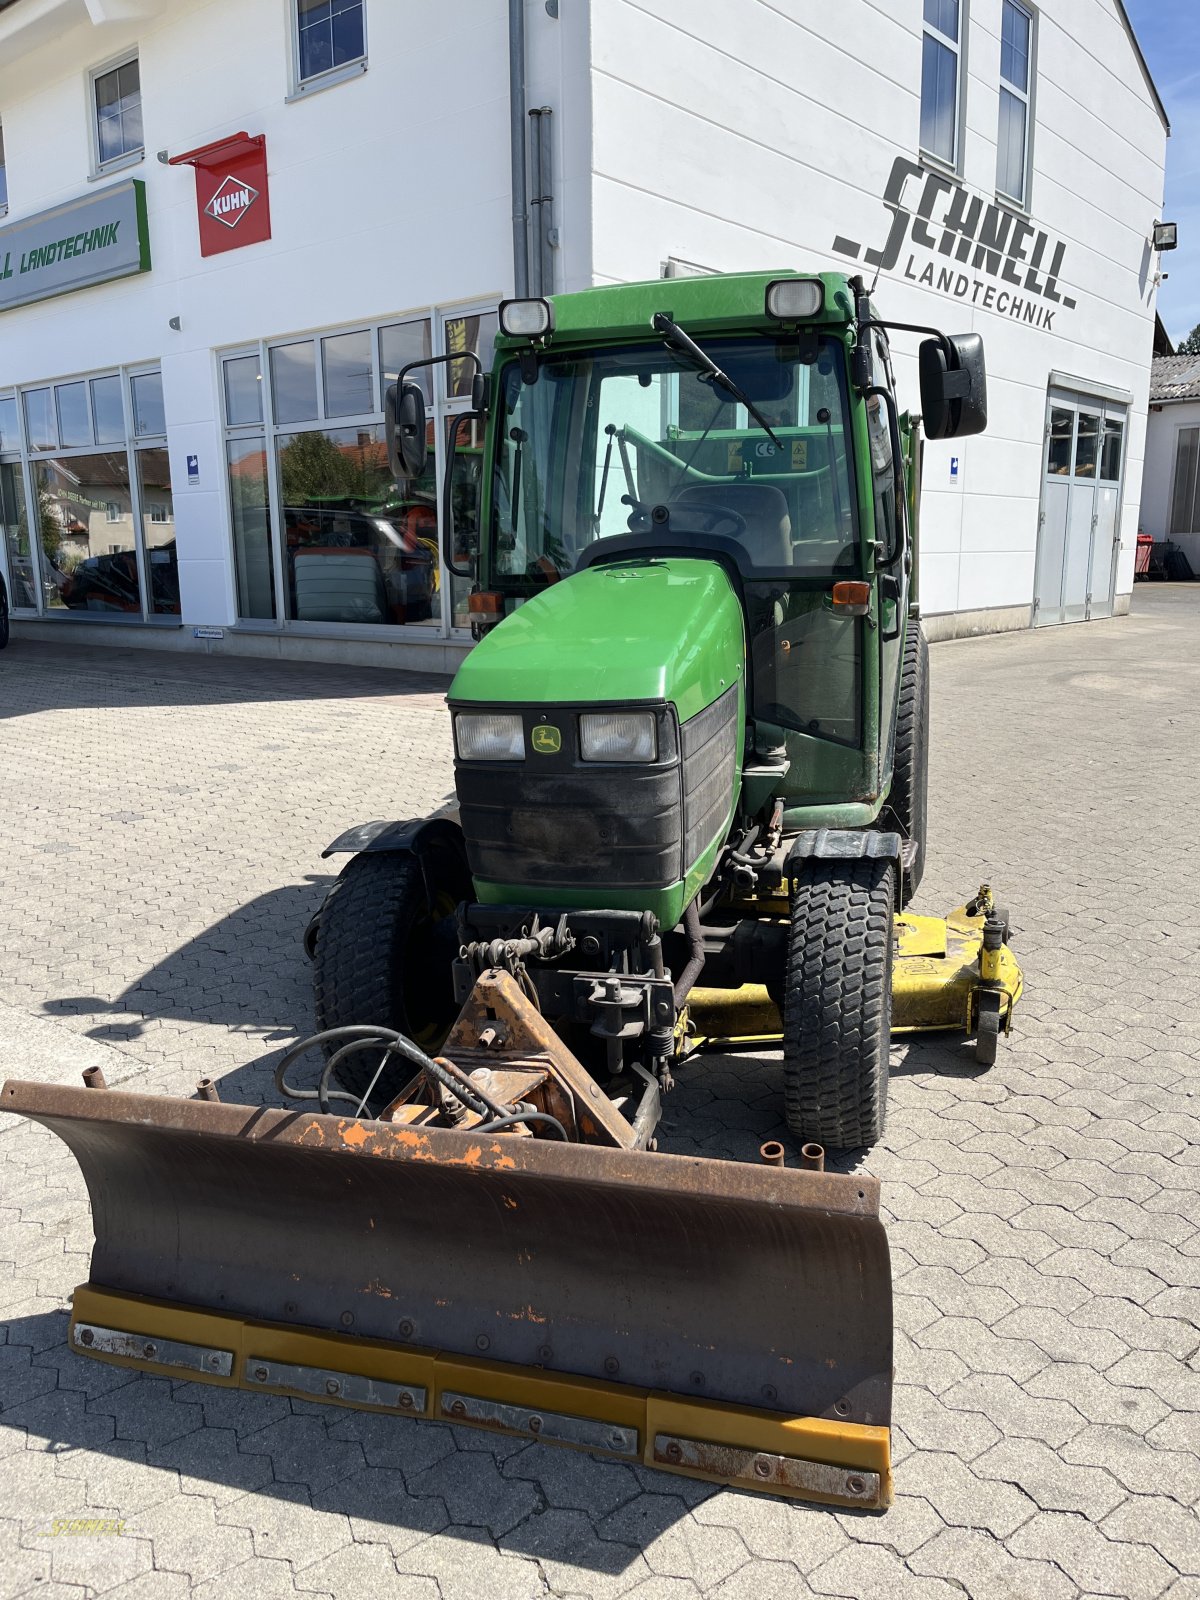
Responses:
[907,807]
[837,1012]
[359,954]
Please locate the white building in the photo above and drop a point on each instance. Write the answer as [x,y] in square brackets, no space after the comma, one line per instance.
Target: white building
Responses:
[196,437]
[1171,496]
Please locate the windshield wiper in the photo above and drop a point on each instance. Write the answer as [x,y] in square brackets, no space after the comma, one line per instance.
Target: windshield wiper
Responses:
[676,339]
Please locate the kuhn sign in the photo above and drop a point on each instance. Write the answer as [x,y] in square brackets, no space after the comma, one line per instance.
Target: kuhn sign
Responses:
[231,202]
[945,238]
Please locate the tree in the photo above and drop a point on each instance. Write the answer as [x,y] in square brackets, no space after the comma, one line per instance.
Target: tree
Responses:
[1191,345]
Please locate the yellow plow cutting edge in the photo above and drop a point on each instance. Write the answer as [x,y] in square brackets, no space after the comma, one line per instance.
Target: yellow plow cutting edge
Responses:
[726,1321]
[939,970]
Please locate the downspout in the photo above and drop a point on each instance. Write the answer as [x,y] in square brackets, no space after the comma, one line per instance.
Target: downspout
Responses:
[516,126]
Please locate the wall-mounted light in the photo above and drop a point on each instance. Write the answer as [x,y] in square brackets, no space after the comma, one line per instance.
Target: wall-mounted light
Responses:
[1166,235]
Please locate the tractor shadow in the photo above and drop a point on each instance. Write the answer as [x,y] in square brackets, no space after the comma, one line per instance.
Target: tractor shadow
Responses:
[246,974]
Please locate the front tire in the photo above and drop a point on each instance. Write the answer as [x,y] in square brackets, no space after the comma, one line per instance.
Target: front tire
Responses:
[908,803]
[837,1012]
[382,954]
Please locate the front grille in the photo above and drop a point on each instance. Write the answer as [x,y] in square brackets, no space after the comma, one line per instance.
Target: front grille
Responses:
[709,760]
[554,821]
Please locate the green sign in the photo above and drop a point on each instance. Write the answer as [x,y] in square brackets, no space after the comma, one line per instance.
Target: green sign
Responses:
[90,240]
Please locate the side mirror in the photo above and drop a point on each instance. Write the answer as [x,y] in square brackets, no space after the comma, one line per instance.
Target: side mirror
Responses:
[953,386]
[404,425]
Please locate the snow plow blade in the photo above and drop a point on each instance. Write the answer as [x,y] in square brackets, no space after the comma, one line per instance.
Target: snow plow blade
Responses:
[727,1321]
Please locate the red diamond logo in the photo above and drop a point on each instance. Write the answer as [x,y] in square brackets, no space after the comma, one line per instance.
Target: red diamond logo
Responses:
[230,202]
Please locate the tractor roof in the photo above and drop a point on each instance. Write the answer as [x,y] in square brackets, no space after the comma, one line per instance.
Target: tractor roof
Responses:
[724,302]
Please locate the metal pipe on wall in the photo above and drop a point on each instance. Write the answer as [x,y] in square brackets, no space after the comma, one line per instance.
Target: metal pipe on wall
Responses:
[543,205]
[516,127]
[536,284]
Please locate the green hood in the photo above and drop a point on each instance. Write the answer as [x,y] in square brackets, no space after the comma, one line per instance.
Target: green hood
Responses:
[646,630]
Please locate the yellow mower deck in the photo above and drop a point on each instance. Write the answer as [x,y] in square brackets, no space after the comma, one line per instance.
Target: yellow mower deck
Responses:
[939,970]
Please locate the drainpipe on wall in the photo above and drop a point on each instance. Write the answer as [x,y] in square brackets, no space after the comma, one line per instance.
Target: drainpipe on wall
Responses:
[541,150]
[516,125]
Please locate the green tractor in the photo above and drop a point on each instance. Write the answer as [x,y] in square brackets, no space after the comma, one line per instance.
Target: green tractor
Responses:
[691,742]
[690,756]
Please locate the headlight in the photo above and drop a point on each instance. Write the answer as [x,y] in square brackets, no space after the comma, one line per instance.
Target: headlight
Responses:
[795,299]
[617,736]
[489,736]
[526,319]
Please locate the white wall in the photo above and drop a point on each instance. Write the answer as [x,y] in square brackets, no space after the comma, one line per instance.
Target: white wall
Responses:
[1162,442]
[737,135]
[389,192]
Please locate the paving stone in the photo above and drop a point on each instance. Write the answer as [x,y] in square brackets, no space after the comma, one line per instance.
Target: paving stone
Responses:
[301,1451]
[467,1565]
[474,1492]
[1054,1484]
[573,1557]
[862,1570]
[954,1491]
[932,1425]
[1016,1412]
[986,1570]
[380,1510]
[364,1569]
[1137,1464]
[284,1525]
[1168,1377]
[257,1580]
[1095,1563]
[1173,1530]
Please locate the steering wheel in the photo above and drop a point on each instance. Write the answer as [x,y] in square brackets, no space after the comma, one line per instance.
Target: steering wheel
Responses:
[711,516]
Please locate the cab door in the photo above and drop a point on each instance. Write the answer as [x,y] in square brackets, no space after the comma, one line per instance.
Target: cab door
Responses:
[893,561]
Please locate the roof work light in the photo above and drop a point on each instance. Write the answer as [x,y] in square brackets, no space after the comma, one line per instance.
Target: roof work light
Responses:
[1166,235]
[794,299]
[526,319]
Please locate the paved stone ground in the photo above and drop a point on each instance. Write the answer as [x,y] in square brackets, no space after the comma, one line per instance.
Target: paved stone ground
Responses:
[161,827]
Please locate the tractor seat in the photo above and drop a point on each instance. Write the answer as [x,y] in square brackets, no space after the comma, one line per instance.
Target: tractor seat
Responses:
[767,537]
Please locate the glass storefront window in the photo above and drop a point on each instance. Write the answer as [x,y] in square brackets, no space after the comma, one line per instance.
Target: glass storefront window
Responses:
[14,524]
[1110,455]
[243,391]
[250,509]
[400,343]
[294,382]
[477,333]
[357,547]
[10,437]
[149,413]
[89,542]
[158,530]
[74,424]
[1086,443]
[346,358]
[108,412]
[39,419]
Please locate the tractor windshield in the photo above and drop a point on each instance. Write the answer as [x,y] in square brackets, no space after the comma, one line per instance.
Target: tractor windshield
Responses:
[603,437]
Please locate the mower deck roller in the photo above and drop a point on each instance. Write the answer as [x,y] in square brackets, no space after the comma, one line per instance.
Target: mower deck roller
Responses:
[707,1317]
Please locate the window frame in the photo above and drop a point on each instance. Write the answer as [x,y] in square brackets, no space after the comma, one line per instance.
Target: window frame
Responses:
[28,461]
[3,173]
[299,87]
[1027,97]
[1173,522]
[959,47]
[129,158]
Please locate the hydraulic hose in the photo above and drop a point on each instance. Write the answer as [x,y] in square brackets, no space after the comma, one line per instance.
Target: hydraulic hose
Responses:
[687,978]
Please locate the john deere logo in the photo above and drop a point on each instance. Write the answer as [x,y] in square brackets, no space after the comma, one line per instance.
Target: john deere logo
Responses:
[547,741]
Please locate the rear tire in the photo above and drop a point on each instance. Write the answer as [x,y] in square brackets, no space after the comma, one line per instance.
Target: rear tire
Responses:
[907,807]
[837,1012]
[382,954]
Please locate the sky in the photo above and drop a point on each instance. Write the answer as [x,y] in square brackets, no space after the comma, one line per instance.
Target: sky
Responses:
[1169,34]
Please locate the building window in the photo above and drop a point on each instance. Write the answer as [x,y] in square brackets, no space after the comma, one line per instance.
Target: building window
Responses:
[322,533]
[1016,88]
[941,75]
[331,40]
[3,175]
[1185,499]
[91,467]
[117,96]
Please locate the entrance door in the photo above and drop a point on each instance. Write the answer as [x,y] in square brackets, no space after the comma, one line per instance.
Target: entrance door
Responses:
[1079,529]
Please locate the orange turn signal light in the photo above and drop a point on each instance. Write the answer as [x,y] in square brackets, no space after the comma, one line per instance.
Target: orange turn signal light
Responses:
[487,603]
[852,599]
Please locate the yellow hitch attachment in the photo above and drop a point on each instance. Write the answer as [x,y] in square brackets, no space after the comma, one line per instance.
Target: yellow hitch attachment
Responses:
[725,1321]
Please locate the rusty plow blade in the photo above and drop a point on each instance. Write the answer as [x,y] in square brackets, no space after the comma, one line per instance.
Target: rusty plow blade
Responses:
[727,1321]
